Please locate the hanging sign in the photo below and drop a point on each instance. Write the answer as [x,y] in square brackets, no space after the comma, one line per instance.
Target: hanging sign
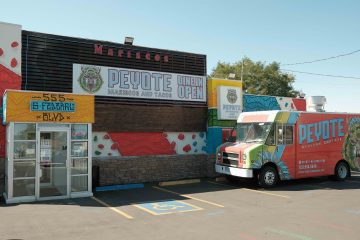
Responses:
[25,106]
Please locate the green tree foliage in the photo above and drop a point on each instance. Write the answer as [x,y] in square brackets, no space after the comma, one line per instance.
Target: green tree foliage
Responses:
[258,78]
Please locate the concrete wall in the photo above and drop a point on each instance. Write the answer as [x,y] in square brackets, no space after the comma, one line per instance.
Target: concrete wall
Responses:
[2,176]
[143,169]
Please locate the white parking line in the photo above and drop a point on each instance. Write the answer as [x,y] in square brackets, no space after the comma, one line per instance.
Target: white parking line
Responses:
[252,190]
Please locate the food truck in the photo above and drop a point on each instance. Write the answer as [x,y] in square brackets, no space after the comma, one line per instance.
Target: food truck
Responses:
[283,145]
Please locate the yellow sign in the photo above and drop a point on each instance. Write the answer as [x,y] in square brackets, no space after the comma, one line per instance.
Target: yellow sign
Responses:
[212,89]
[25,106]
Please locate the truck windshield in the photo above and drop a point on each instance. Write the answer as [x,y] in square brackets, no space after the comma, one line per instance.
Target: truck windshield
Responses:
[252,132]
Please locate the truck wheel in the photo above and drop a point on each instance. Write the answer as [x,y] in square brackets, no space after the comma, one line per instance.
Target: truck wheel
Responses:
[268,177]
[341,171]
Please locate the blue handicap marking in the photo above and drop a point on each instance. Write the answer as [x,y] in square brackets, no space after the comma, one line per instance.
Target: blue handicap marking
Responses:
[167,207]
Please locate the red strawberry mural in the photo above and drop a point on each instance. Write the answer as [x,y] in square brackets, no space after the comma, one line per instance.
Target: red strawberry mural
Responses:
[139,144]
[10,66]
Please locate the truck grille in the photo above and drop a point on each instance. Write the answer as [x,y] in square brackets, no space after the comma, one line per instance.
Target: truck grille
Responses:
[231,159]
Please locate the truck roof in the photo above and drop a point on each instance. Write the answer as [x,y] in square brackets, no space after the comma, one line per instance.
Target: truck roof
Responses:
[269,116]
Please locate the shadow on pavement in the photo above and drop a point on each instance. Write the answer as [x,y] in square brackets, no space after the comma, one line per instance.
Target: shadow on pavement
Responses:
[150,194]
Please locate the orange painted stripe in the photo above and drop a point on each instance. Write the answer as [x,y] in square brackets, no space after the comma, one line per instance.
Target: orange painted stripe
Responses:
[255,118]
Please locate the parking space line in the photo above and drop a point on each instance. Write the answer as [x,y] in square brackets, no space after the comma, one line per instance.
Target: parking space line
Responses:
[268,193]
[146,210]
[113,208]
[187,196]
[192,205]
[252,190]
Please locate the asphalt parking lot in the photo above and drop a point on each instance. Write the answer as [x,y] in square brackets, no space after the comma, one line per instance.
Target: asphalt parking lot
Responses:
[315,208]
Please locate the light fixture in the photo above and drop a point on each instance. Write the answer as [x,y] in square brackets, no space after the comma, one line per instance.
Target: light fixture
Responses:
[129,40]
[301,94]
[231,76]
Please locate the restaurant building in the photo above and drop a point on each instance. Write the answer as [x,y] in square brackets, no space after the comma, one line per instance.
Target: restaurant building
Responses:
[138,113]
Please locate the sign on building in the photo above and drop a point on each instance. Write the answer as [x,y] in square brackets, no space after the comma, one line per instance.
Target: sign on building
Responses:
[229,102]
[25,106]
[132,83]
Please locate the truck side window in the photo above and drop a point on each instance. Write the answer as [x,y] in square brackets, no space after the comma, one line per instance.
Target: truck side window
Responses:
[289,133]
[271,137]
[285,134]
[279,134]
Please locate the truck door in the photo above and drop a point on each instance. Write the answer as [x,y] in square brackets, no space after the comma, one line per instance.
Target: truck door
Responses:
[286,150]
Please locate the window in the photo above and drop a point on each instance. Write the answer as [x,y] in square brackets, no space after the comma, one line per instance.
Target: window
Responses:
[79,157]
[24,159]
[284,134]
[252,132]
[271,137]
[289,133]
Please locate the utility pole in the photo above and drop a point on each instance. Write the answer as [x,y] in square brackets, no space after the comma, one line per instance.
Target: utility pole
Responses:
[242,70]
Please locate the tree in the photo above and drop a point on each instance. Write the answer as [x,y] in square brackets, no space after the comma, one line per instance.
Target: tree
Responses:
[258,78]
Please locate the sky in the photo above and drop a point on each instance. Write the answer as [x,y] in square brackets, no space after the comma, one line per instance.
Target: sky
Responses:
[263,30]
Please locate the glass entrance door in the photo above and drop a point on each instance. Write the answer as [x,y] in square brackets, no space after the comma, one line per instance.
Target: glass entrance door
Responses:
[52,165]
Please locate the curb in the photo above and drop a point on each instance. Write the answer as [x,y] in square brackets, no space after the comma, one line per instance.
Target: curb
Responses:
[179,182]
[119,187]
[220,179]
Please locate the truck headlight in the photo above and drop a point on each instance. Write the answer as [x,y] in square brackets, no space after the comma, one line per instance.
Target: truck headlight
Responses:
[218,155]
[244,156]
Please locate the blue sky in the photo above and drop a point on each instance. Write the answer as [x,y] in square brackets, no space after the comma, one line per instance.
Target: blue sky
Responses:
[269,30]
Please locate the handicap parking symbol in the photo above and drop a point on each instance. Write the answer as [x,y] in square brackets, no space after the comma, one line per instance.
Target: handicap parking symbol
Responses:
[167,207]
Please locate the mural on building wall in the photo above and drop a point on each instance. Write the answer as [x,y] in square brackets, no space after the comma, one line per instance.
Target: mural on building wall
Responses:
[263,103]
[104,146]
[140,144]
[10,66]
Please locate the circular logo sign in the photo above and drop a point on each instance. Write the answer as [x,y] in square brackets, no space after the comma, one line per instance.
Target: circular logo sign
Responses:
[231,96]
[90,79]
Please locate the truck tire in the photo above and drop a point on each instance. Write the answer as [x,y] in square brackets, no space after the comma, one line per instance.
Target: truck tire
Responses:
[341,171]
[268,177]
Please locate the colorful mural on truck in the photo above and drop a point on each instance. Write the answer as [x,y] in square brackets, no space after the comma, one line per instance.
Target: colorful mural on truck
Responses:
[258,154]
[351,148]
[10,66]
[140,143]
[279,154]
[319,140]
[219,130]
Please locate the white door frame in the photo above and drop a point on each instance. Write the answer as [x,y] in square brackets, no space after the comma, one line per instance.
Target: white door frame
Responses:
[39,129]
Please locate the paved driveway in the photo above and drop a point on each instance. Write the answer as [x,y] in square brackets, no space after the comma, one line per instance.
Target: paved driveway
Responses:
[304,209]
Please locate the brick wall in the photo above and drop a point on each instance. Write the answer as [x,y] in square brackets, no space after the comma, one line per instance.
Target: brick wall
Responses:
[123,170]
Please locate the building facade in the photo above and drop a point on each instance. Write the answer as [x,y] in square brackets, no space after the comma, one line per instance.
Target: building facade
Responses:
[150,104]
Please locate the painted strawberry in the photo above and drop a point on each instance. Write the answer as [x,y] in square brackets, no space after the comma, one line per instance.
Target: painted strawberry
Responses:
[13,63]
[181,136]
[14,44]
[187,148]
[114,146]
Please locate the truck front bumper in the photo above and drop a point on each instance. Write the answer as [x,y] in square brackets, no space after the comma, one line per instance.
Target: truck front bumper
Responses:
[238,172]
